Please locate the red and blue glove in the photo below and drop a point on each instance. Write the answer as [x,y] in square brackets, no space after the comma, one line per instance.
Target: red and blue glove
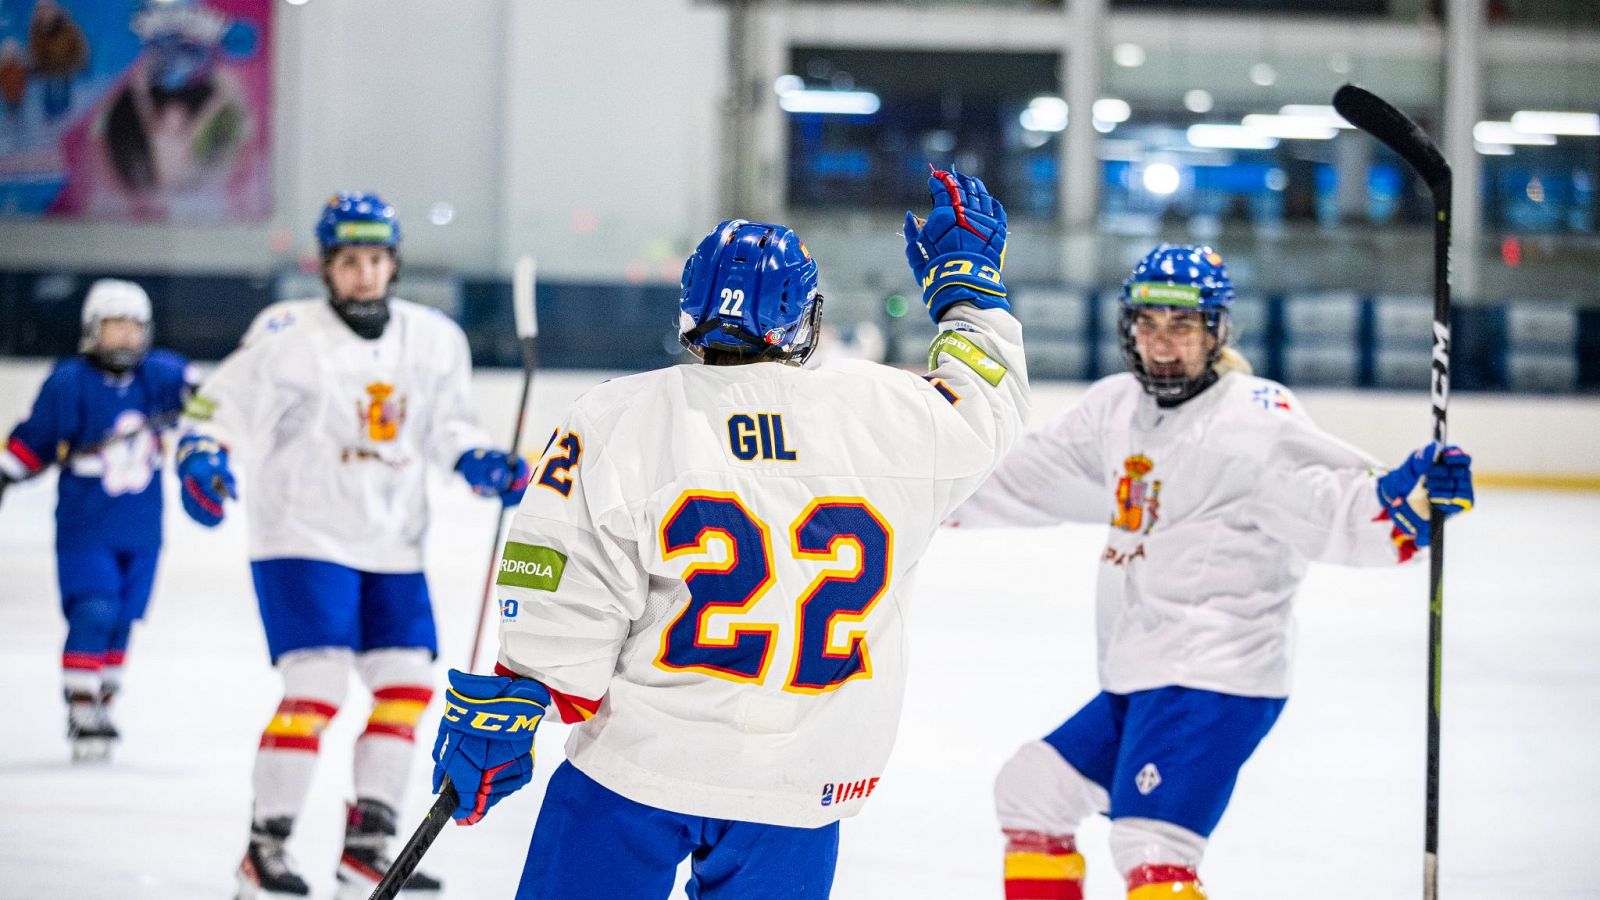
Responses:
[485,741]
[494,473]
[1446,476]
[957,254]
[204,476]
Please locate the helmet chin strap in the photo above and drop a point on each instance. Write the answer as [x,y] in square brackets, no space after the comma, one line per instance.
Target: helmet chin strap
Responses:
[367,318]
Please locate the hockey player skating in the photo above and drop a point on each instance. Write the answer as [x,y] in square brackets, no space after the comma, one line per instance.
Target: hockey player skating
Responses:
[1221,490]
[99,415]
[337,408]
[710,570]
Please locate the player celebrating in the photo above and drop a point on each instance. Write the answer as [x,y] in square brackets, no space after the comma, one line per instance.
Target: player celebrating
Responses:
[99,415]
[1221,490]
[711,570]
[337,406]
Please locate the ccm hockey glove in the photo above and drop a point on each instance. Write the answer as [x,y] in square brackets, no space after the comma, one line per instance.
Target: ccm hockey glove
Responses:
[204,476]
[1447,480]
[485,741]
[494,473]
[957,254]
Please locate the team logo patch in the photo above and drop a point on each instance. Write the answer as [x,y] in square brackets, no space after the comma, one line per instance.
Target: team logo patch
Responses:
[383,413]
[527,566]
[1138,502]
[1148,779]
[1270,397]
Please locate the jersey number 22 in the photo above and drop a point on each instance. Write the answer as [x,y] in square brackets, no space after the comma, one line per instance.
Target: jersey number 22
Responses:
[830,635]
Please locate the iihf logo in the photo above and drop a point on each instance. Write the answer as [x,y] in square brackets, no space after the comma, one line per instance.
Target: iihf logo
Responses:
[848,790]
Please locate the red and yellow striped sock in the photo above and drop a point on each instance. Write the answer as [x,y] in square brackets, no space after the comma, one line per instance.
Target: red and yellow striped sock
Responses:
[297,725]
[1042,866]
[1165,883]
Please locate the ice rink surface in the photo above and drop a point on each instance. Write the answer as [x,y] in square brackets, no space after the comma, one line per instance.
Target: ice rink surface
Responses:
[1003,650]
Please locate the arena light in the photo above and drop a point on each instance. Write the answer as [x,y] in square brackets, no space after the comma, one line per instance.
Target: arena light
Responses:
[1198,100]
[1492,149]
[1535,121]
[1110,109]
[1506,133]
[1294,128]
[1045,114]
[1229,137]
[830,103]
[1317,111]
[1161,178]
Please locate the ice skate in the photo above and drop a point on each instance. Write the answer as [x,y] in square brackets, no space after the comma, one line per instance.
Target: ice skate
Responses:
[267,872]
[366,860]
[89,728]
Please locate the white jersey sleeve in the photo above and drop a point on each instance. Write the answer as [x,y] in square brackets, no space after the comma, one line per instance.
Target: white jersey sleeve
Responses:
[1319,494]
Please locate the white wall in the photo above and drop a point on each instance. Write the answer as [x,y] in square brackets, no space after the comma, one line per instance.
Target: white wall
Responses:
[1507,435]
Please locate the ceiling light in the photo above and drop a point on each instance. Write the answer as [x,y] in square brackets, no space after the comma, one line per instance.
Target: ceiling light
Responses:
[1110,109]
[1315,111]
[1548,122]
[1229,137]
[834,103]
[1128,56]
[1506,133]
[1197,100]
[1297,128]
[1161,178]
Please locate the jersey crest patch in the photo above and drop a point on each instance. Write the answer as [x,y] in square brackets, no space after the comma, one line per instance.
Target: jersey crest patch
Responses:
[1270,397]
[383,413]
[1138,502]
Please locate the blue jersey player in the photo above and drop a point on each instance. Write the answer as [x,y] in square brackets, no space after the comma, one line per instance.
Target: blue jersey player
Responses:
[99,416]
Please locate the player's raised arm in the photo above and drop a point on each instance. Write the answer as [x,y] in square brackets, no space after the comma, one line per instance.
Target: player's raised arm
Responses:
[976,364]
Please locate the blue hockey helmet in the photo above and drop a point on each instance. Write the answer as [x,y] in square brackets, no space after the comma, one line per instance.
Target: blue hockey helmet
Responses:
[352,218]
[1182,277]
[750,290]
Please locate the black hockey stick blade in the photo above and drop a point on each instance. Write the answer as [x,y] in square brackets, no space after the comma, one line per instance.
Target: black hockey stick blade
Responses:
[1372,114]
[411,854]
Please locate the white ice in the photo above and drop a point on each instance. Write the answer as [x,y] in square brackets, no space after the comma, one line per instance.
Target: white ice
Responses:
[1331,806]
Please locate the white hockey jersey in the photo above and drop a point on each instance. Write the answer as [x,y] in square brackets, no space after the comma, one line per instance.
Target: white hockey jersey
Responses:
[1215,508]
[720,558]
[333,431]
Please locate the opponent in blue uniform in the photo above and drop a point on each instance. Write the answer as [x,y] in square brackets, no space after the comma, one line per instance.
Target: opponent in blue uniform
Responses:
[99,416]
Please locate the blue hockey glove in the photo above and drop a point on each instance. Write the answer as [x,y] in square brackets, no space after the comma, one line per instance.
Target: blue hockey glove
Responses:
[958,253]
[203,473]
[1448,481]
[485,741]
[492,473]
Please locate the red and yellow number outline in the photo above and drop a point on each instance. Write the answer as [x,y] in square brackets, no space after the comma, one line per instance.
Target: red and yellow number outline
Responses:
[855,637]
[701,546]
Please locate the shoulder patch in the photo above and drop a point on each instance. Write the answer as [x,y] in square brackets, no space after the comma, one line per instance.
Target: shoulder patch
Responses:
[954,345]
[1270,397]
[527,566]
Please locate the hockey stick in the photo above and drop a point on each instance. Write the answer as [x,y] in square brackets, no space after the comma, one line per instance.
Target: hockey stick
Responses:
[522,306]
[411,854]
[1371,114]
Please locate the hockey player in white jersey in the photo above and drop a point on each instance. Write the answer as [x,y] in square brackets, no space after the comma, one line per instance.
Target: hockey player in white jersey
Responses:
[711,571]
[1219,490]
[336,408]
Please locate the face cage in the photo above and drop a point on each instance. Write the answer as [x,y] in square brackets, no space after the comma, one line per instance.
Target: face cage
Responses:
[806,335]
[1173,390]
[119,359]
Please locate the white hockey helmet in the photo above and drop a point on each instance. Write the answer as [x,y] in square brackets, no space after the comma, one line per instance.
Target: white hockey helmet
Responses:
[110,298]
